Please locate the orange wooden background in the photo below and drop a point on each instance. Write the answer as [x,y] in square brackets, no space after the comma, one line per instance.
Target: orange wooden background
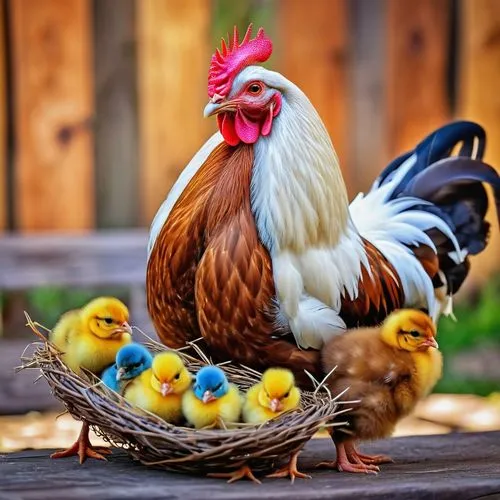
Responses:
[101,101]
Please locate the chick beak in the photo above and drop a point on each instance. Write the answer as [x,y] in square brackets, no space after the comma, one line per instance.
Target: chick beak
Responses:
[276,405]
[123,328]
[166,389]
[120,374]
[208,396]
[431,342]
[126,327]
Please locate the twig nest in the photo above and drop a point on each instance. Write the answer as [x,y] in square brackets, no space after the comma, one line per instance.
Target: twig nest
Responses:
[156,443]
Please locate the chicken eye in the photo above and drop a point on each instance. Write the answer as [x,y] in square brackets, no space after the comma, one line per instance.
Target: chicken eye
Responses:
[255,88]
[286,395]
[414,333]
[177,377]
[108,321]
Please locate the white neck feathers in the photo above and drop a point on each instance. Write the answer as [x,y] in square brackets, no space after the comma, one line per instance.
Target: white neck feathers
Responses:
[298,195]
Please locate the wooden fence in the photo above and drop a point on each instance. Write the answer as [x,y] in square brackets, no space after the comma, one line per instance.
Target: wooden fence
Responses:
[101,101]
[101,107]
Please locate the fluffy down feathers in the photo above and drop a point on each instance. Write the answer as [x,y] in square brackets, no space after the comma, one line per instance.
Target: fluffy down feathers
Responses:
[159,389]
[275,394]
[385,369]
[212,401]
[91,336]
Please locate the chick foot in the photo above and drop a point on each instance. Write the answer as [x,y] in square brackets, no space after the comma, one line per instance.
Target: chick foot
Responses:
[374,459]
[348,463]
[242,472]
[83,448]
[290,470]
[354,455]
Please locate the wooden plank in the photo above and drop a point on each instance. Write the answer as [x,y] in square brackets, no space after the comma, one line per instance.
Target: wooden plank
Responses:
[116,138]
[174,56]
[368,134]
[448,467]
[18,393]
[3,125]
[314,53]
[417,70]
[111,258]
[53,110]
[479,100]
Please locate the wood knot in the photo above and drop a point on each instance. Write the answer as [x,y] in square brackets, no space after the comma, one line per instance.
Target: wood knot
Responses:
[417,41]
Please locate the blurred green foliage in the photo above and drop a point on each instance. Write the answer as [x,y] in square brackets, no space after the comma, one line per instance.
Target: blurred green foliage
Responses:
[478,324]
[46,304]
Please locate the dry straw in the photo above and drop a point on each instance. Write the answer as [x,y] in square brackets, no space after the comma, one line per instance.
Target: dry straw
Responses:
[156,443]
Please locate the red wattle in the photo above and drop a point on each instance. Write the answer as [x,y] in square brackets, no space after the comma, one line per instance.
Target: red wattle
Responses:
[266,126]
[225,121]
[248,131]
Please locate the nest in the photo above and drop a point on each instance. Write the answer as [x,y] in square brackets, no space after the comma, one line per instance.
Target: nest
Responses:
[156,443]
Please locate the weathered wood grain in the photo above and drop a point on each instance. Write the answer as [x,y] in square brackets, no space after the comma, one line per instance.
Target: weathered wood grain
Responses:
[314,54]
[116,127]
[53,112]
[3,124]
[447,467]
[173,61]
[417,43]
[479,99]
[101,258]
[368,143]
[18,392]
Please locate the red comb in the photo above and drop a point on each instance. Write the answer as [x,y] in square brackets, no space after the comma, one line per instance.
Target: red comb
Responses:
[229,61]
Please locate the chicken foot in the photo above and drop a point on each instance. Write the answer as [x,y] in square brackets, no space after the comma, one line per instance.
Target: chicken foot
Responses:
[290,470]
[348,461]
[353,453]
[83,448]
[240,473]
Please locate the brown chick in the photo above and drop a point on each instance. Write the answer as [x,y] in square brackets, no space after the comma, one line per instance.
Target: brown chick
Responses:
[388,369]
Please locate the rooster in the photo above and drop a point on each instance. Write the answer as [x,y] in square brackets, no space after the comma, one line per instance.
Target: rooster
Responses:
[257,249]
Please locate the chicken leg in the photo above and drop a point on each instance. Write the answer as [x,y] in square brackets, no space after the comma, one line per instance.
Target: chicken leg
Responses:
[243,471]
[83,448]
[290,470]
[354,454]
[348,461]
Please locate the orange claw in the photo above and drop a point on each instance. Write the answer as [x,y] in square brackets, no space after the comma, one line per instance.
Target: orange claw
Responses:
[242,472]
[348,461]
[290,470]
[83,448]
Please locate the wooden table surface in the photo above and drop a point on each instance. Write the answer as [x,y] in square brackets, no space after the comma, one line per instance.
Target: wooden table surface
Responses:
[451,466]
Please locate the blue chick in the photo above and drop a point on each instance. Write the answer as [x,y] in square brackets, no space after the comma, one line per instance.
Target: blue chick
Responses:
[131,361]
[212,399]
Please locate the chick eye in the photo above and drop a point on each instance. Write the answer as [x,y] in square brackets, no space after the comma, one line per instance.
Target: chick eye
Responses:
[255,88]
[108,321]
[177,377]
[414,333]
[217,387]
[286,395]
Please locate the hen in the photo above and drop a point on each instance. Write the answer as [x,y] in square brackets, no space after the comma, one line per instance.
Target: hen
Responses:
[257,249]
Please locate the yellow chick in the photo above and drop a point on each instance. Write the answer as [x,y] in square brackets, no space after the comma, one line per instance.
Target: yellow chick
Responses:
[273,395]
[212,399]
[90,337]
[159,389]
[389,369]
